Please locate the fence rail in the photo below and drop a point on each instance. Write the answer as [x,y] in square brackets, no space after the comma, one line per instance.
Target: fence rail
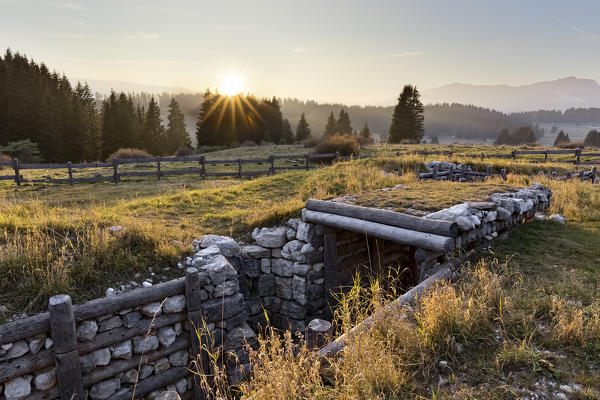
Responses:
[303,162]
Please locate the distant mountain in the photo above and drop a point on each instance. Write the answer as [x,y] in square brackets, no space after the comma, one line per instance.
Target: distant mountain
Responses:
[559,94]
[104,87]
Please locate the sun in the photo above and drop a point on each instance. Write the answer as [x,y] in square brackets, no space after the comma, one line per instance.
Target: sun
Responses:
[232,85]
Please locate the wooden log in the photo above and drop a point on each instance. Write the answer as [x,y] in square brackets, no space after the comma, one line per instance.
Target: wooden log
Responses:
[198,333]
[130,299]
[318,333]
[428,241]
[152,383]
[24,328]
[442,228]
[23,365]
[64,335]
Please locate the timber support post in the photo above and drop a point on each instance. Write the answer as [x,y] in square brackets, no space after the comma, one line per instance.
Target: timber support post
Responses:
[546,156]
[115,163]
[158,167]
[239,168]
[202,166]
[198,333]
[578,157]
[16,167]
[64,335]
[318,333]
[272,161]
[306,161]
[70,173]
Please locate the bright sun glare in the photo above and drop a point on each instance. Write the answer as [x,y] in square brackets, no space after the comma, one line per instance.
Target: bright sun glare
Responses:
[232,85]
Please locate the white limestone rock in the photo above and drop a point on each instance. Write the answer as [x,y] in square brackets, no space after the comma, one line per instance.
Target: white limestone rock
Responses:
[218,269]
[254,251]
[143,344]
[45,380]
[105,389]
[174,304]
[17,349]
[179,358]
[123,350]
[166,336]
[291,250]
[18,388]
[558,218]
[226,245]
[270,237]
[151,309]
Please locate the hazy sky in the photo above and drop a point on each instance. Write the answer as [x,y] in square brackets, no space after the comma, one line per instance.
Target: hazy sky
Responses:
[351,51]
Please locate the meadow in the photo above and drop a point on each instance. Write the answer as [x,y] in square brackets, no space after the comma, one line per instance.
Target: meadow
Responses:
[524,316]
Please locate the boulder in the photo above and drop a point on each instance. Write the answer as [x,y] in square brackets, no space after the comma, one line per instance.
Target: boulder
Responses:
[179,358]
[166,336]
[282,267]
[254,251]
[151,309]
[502,214]
[226,245]
[131,319]
[123,350]
[291,250]
[174,304]
[18,388]
[45,380]
[226,288]
[161,365]
[17,349]
[36,343]
[223,308]
[105,389]
[270,237]
[557,218]
[283,287]
[218,269]
[144,344]
[110,323]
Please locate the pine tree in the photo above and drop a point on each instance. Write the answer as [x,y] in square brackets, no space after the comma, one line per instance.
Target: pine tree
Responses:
[302,129]
[592,139]
[365,136]
[407,120]
[153,132]
[205,135]
[435,140]
[331,127]
[561,138]
[176,136]
[288,133]
[503,137]
[343,124]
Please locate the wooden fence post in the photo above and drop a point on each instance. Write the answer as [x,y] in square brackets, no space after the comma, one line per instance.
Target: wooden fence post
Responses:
[64,335]
[417,173]
[546,156]
[239,168]
[463,171]
[513,154]
[503,173]
[434,172]
[578,157]
[318,334]
[489,170]
[115,163]
[158,167]
[337,156]
[203,166]
[70,173]
[451,173]
[198,334]
[306,161]
[17,171]
[272,161]
[593,174]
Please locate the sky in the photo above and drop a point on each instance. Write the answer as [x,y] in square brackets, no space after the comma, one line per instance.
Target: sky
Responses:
[356,52]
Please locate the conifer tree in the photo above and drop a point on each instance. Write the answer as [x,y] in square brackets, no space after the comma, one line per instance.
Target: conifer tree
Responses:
[288,133]
[561,138]
[302,129]
[343,124]
[503,137]
[331,126]
[153,132]
[205,135]
[365,136]
[407,120]
[176,136]
[592,139]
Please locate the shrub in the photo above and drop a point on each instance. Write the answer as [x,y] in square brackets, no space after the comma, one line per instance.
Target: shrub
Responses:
[310,142]
[184,152]
[570,145]
[249,143]
[346,145]
[25,150]
[4,157]
[129,153]
[208,149]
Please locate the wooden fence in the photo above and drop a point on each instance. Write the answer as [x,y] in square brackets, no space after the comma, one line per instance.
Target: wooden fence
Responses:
[302,162]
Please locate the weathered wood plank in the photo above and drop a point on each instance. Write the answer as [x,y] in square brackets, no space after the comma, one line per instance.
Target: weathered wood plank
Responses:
[442,228]
[26,364]
[395,234]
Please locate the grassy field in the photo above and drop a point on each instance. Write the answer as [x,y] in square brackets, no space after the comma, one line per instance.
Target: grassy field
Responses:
[522,322]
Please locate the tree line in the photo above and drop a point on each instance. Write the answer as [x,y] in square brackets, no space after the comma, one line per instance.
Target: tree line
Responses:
[42,113]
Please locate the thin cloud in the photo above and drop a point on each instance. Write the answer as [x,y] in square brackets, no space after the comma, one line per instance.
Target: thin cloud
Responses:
[140,62]
[70,6]
[141,36]
[298,50]
[70,36]
[406,54]
[583,35]
[80,23]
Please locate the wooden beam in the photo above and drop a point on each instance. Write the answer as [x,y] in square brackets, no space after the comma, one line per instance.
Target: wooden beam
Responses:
[408,237]
[442,228]
[64,335]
